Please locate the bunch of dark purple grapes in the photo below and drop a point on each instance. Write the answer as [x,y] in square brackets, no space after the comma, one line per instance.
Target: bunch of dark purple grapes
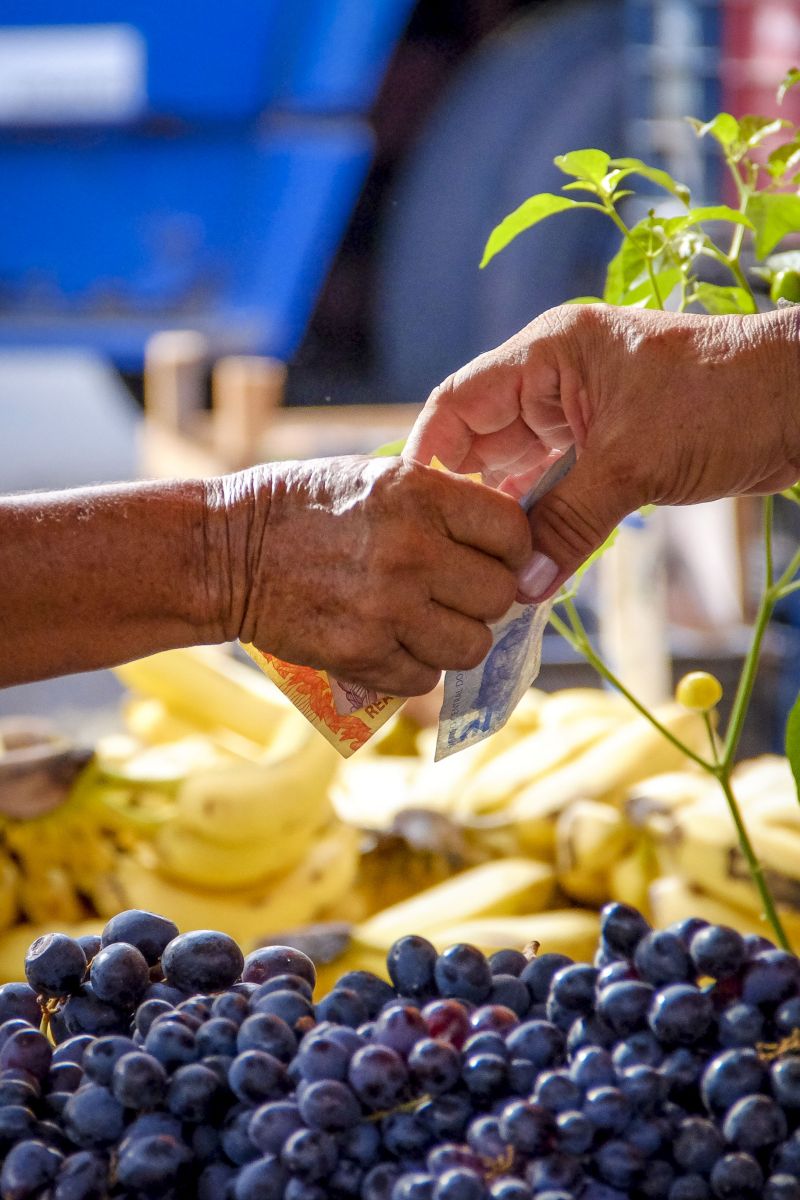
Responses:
[151,1064]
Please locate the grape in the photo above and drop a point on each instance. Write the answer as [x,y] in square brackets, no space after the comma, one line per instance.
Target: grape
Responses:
[772,976]
[621,929]
[730,1076]
[19,1000]
[103,1055]
[434,1065]
[266,1031]
[554,1173]
[218,1036]
[269,961]
[285,983]
[377,1075]
[27,1050]
[459,1183]
[256,1076]
[138,1080]
[29,1166]
[643,1086]
[147,931]
[374,992]
[462,972]
[698,1145]
[447,1019]
[55,965]
[509,992]
[152,1164]
[379,1181]
[538,1041]
[264,1179]
[754,1123]
[641,1048]
[272,1123]
[310,1153]
[416,1185]
[93,1117]
[400,1027]
[508,962]
[493,1018]
[689,1187]
[171,1043]
[717,951]
[539,973]
[661,957]
[681,1013]
[624,1006]
[232,1006]
[574,1132]
[737,1177]
[557,1092]
[193,1092]
[85,1012]
[484,1074]
[202,961]
[81,1176]
[781,1187]
[330,1105]
[740,1025]
[607,1108]
[592,1067]
[64,1077]
[573,988]
[485,1043]
[404,1134]
[342,1006]
[288,1005]
[527,1127]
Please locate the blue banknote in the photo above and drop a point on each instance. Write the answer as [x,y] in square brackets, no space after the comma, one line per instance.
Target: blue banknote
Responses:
[479,702]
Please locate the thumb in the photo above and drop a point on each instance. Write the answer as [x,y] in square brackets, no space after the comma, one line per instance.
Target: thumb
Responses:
[570,523]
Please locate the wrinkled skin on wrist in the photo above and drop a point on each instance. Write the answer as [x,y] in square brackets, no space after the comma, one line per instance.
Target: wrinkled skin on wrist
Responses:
[664,408]
[380,572]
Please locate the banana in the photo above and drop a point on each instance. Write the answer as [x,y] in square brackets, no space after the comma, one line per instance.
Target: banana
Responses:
[579,704]
[630,878]
[571,931]
[651,803]
[369,792]
[207,688]
[528,759]
[604,771]
[283,902]
[500,887]
[163,766]
[264,802]
[48,895]
[150,721]
[528,714]
[9,892]
[673,899]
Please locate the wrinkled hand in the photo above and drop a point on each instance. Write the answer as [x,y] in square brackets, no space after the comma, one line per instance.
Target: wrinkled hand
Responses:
[382,573]
[663,408]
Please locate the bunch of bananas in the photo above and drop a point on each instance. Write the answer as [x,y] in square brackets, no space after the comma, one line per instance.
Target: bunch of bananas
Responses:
[213,808]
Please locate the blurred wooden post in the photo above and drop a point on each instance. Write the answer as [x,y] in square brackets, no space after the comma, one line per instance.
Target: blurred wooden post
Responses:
[175,367]
[245,392]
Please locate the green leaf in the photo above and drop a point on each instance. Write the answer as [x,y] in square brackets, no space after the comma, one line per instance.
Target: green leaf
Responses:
[581,185]
[718,300]
[584,164]
[529,213]
[585,300]
[783,158]
[774,214]
[792,743]
[754,130]
[723,127]
[390,449]
[625,268]
[635,166]
[790,80]
[718,212]
[792,493]
[643,296]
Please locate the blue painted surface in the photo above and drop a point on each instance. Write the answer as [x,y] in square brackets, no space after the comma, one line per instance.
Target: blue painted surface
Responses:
[220,204]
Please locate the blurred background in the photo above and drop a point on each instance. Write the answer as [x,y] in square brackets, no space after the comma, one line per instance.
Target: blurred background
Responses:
[307,187]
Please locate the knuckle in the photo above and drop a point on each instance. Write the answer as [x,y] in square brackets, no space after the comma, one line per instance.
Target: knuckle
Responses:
[476,645]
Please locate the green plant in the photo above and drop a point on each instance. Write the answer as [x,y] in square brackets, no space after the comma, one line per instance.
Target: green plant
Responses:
[657,265]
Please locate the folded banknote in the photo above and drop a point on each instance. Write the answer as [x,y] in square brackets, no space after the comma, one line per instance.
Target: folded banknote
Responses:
[479,702]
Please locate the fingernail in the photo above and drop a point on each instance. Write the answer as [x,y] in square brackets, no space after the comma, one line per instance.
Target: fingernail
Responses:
[537,575]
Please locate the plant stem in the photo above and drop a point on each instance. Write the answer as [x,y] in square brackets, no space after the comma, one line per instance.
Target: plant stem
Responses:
[735,249]
[747,679]
[578,639]
[768,512]
[756,870]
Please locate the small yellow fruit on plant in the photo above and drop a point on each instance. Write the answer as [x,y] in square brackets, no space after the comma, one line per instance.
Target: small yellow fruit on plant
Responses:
[699,691]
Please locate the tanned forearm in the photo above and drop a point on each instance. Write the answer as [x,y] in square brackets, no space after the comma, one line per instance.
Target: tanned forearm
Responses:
[98,576]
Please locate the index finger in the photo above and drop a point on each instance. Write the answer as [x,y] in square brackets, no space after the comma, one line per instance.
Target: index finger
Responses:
[482,398]
[487,520]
